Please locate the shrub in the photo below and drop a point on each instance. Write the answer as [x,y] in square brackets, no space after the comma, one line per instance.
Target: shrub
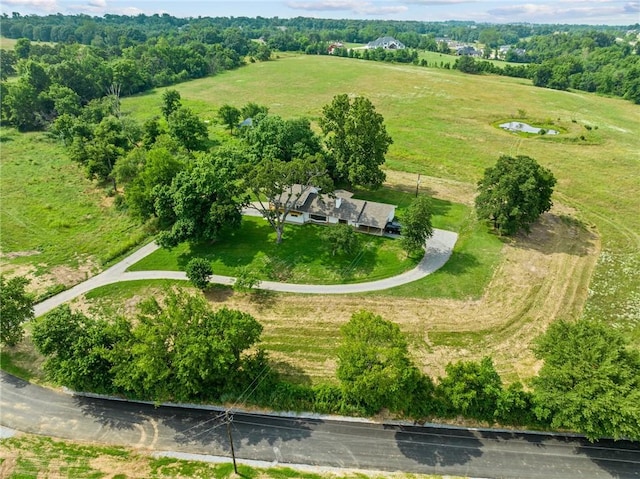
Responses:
[198,271]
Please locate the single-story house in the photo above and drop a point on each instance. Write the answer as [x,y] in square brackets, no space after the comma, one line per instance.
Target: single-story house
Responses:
[468,50]
[337,208]
[388,43]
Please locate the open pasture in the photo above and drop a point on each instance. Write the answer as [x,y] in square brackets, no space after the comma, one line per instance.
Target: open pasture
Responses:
[443,125]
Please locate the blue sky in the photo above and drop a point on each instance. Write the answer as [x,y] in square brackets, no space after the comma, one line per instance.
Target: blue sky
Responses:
[613,12]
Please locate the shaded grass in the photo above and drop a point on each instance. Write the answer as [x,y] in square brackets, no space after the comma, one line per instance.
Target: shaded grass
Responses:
[34,456]
[9,362]
[302,257]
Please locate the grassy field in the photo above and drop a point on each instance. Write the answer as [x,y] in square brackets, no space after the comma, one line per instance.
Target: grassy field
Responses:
[9,43]
[28,456]
[443,59]
[494,295]
[57,227]
[443,125]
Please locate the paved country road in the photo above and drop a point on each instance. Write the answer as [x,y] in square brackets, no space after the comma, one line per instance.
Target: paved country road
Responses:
[437,252]
[314,441]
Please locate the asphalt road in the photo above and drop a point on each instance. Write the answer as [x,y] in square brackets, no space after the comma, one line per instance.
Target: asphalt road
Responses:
[323,441]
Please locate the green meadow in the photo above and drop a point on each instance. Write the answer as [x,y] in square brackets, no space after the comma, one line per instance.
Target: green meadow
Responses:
[51,215]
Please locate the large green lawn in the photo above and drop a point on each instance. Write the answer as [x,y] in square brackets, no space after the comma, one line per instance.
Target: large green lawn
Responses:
[302,257]
[443,124]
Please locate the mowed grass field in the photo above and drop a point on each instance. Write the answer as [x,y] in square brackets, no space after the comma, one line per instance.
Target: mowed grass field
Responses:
[443,126]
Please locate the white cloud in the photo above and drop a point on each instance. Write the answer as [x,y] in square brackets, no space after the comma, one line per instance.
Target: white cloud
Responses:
[46,5]
[433,3]
[354,6]
[567,11]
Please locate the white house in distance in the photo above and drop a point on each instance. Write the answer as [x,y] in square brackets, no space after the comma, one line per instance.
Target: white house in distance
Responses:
[338,208]
[388,43]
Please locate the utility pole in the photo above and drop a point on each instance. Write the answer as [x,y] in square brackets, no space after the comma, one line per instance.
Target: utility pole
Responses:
[228,419]
[417,185]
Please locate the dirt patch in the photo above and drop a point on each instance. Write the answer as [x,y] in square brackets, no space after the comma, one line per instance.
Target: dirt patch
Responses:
[451,190]
[18,254]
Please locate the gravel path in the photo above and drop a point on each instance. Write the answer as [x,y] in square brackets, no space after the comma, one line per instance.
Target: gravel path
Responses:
[438,250]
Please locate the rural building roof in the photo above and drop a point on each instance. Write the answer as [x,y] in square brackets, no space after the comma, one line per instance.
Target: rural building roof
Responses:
[386,42]
[342,206]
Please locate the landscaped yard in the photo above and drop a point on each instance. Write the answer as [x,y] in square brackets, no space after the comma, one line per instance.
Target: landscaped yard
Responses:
[302,257]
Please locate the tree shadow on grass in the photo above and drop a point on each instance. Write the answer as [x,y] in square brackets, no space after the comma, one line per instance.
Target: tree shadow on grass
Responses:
[236,248]
[218,293]
[459,263]
[262,298]
[553,234]
[289,372]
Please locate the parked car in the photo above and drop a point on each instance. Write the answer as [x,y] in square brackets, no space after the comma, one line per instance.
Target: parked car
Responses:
[393,227]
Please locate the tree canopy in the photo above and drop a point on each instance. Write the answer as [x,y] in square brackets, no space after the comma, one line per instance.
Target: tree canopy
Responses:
[589,381]
[374,367]
[416,225]
[179,348]
[272,137]
[16,307]
[201,202]
[357,140]
[278,185]
[514,193]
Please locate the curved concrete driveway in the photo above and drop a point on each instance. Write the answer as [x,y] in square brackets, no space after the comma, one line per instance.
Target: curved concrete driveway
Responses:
[438,250]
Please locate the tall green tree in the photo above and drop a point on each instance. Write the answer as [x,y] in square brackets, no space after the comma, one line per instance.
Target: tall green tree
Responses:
[416,225]
[170,103]
[16,307]
[189,130]
[357,140]
[146,173]
[514,193]
[77,348]
[180,349]
[589,381]
[374,367]
[471,388]
[229,116]
[198,272]
[201,203]
[276,138]
[278,187]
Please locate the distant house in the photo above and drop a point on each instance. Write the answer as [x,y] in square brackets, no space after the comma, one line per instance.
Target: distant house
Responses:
[338,208]
[468,50]
[333,46]
[388,43]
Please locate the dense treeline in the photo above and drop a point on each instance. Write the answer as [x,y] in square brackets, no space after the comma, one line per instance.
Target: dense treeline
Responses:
[180,349]
[60,78]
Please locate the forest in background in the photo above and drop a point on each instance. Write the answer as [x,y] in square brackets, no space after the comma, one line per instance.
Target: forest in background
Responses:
[66,61]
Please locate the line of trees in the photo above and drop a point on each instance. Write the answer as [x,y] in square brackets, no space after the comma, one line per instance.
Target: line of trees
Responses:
[179,349]
[193,189]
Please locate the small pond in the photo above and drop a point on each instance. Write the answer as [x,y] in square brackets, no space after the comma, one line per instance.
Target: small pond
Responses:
[518,126]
